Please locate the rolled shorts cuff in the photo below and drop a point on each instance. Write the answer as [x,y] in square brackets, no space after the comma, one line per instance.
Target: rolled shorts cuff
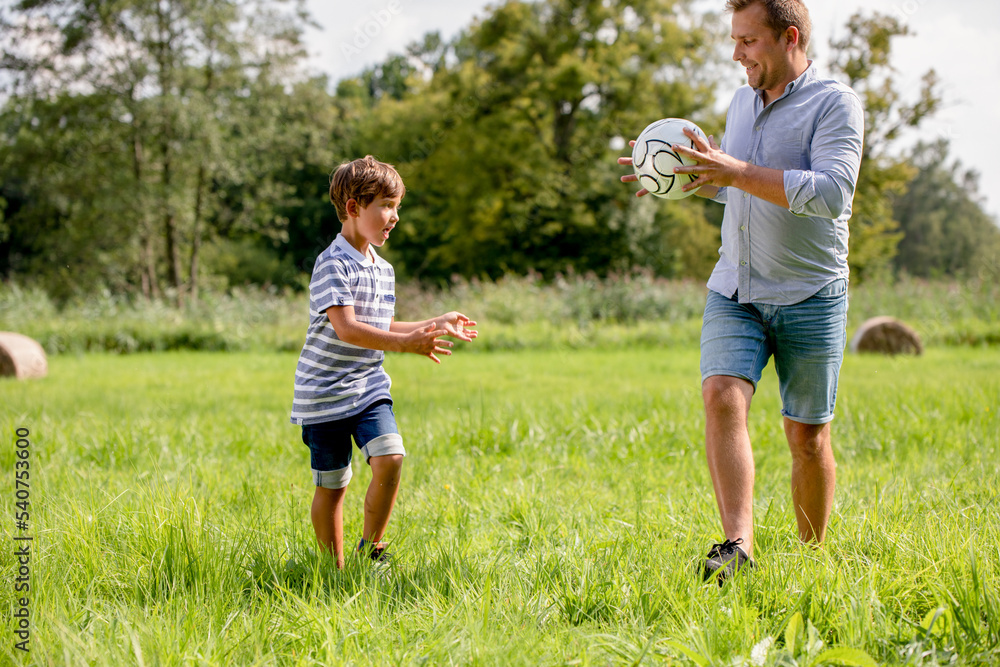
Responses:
[714,372]
[333,479]
[826,419]
[384,445]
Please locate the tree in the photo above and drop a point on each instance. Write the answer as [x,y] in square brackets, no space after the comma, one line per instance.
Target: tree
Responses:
[172,88]
[507,138]
[863,56]
[68,225]
[946,232]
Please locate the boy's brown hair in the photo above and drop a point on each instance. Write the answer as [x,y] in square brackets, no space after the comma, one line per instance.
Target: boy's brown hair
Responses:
[781,14]
[363,180]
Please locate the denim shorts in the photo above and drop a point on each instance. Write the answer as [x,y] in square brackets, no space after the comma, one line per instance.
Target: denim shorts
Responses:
[806,339]
[374,430]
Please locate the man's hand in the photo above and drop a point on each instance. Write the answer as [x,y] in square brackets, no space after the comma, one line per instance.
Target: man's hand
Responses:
[714,168]
[631,178]
[705,190]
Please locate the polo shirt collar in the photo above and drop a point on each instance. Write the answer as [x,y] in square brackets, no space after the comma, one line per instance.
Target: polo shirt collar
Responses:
[352,252]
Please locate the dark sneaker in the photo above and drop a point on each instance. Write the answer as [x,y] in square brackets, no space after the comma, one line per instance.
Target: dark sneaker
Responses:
[376,552]
[725,559]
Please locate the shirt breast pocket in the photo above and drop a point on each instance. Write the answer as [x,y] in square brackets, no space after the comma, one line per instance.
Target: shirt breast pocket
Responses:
[784,151]
[387,303]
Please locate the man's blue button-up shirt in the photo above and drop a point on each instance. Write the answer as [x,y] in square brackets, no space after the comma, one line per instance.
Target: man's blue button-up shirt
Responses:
[814,133]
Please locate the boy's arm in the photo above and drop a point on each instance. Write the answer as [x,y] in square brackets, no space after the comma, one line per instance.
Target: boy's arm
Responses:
[454,324]
[423,340]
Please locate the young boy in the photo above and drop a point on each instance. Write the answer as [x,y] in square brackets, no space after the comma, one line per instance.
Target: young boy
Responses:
[341,389]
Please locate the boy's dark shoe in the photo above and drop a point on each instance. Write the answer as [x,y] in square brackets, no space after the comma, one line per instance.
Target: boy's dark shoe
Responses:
[376,552]
[725,559]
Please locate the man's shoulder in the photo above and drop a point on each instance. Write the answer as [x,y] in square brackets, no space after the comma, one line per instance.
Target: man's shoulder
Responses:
[834,87]
[840,88]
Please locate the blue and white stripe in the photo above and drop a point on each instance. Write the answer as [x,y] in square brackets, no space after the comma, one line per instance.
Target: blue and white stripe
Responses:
[335,380]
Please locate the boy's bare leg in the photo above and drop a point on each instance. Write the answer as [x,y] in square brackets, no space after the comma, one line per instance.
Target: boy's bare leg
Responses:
[730,457]
[814,476]
[328,520]
[381,496]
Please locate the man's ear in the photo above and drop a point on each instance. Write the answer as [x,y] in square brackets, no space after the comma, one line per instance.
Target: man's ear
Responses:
[791,38]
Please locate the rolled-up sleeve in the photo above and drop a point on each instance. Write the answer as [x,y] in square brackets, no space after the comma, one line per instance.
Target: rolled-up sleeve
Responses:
[826,189]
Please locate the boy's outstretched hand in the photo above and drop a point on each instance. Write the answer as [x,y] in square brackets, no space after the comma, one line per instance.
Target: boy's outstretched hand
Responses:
[456,325]
[426,341]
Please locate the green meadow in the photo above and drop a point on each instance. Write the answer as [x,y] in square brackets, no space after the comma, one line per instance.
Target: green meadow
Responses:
[554,507]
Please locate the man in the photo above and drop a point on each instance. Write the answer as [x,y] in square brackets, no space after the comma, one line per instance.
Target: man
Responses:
[786,172]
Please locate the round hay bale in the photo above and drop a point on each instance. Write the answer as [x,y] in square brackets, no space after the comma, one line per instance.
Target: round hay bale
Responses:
[886,335]
[21,357]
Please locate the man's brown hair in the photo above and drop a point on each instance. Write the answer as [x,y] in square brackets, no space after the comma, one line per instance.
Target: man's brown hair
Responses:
[781,14]
[363,180]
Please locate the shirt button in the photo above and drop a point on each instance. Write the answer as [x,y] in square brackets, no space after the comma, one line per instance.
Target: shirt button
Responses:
[745,195]
[757,129]
[743,228]
[743,263]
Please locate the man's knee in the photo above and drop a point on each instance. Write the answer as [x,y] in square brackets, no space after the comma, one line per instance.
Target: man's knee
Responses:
[724,393]
[808,442]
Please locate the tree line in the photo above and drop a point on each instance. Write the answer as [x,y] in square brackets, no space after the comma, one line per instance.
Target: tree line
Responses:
[161,147]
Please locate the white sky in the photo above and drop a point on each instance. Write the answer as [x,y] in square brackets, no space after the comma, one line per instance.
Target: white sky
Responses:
[958,38]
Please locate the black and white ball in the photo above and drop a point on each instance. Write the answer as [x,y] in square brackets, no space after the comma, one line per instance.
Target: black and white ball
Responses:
[654,157]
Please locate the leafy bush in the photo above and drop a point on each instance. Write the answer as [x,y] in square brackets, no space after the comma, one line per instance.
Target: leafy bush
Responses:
[105,322]
[571,312]
[248,262]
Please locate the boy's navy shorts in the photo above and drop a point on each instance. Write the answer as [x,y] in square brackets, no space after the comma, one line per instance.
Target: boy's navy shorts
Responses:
[373,429]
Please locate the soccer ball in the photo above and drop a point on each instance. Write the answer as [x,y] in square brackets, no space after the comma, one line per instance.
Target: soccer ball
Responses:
[654,157]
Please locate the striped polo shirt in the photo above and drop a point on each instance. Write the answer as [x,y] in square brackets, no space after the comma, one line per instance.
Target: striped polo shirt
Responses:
[335,380]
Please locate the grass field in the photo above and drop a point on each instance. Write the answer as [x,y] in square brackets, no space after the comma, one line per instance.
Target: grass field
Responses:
[553,509]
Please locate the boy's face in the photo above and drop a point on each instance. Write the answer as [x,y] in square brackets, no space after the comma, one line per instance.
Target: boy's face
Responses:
[373,223]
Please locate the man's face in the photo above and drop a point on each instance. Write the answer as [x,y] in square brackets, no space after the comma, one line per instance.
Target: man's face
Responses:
[764,57]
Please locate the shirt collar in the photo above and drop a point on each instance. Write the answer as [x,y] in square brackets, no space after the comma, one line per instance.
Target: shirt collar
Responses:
[792,86]
[352,252]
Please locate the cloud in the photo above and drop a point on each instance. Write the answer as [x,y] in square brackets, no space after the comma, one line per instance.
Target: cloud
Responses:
[361,34]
